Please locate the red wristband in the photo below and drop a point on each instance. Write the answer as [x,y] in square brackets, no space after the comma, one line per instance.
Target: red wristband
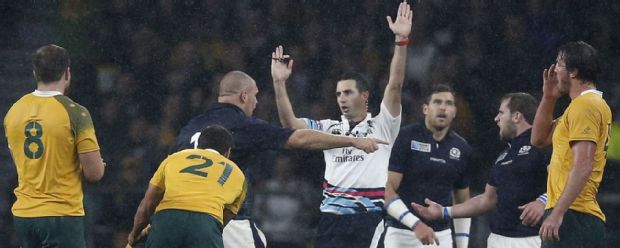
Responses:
[403,42]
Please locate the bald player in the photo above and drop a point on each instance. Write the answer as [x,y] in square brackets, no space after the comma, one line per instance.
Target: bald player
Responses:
[251,136]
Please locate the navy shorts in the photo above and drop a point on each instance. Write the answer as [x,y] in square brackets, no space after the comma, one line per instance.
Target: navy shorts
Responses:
[350,230]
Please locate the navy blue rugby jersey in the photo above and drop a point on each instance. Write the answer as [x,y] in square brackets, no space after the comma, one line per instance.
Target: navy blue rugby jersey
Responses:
[519,176]
[431,169]
[251,137]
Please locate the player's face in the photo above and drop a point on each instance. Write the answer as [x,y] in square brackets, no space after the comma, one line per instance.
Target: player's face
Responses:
[352,103]
[562,75]
[504,120]
[440,110]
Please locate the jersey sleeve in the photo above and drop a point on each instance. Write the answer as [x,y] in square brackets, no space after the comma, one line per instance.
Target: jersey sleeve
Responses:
[584,122]
[318,125]
[158,179]
[391,123]
[260,135]
[81,125]
[493,173]
[236,205]
[400,154]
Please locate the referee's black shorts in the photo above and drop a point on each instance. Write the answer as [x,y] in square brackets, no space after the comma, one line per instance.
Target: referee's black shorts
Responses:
[350,230]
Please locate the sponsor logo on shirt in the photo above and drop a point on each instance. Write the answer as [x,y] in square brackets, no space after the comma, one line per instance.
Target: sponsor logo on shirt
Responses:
[524,150]
[586,130]
[347,156]
[419,146]
[455,153]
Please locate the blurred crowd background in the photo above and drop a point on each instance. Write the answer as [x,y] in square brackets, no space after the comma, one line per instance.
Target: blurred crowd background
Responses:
[143,68]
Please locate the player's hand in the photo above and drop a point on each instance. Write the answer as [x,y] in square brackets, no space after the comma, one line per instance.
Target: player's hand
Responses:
[280,69]
[434,210]
[425,234]
[550,229]
[133,237]
[368,145]
[532,213]
[551,88]
[402,26]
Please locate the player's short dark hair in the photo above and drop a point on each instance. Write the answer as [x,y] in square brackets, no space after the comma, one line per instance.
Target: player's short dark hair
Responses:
[49,62]
[583,57]
[361,82]
[438,88]
[215,137]
[521,102]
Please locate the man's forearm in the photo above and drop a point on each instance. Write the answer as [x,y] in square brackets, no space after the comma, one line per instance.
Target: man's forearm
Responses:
[315,140]
[140,219]
[473,207]
[543,123]
[285,109]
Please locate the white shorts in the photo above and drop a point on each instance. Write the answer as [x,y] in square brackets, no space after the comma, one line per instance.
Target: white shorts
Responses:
[396,237]
[241,233]
[499,241]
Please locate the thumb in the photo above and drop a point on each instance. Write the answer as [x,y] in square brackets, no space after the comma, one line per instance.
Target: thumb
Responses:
[390,22]
[290,64]
[521,207]
[428,201]
[416,206]
[381,142]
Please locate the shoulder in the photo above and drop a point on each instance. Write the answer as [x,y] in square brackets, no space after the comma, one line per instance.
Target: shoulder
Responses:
[460,141]
[69,104]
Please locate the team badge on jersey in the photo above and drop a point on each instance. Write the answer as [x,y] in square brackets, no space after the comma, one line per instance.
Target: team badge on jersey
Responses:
[524,150]
[455,153]
[419,146]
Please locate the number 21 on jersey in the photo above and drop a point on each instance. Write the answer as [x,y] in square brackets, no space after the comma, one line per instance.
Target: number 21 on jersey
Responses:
[195,169]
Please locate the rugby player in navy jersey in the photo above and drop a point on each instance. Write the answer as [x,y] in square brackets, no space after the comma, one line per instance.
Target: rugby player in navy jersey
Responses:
[517,179]
[428,160]
[252,136]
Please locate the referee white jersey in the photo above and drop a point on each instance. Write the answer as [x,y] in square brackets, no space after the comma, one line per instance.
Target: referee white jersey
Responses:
[355,181]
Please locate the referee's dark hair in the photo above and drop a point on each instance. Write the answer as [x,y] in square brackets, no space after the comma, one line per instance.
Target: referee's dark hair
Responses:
[582,57]
[438,88]
[49,63]
[361,82]
[217,138]
[521,102]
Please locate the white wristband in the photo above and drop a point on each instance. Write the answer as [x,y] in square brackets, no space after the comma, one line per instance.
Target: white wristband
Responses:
[543,198]
[397,209]
[447,213]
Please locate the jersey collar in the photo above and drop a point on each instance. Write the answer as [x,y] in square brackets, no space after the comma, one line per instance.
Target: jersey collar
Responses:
[345,120]
[46,93]
[600,93]
[211,150]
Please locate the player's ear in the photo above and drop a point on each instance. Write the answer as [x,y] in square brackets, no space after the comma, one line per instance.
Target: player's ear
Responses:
[67,74]
[516,116]
[227,153]
[425,109]
[243,96]
[573,73]
[34,74]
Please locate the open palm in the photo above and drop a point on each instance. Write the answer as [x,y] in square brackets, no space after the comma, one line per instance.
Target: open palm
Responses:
[280,70]
[402,25]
